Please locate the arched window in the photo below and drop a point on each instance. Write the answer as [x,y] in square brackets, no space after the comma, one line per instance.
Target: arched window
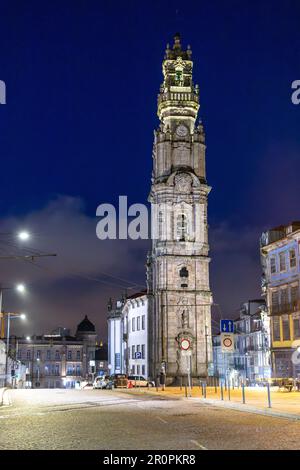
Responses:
[184,275]
[182,227]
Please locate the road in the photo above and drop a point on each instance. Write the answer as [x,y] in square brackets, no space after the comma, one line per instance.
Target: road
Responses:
[113,420]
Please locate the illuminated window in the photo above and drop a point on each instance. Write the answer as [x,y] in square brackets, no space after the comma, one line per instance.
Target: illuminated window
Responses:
[296,328]
[276,328]
[286,328]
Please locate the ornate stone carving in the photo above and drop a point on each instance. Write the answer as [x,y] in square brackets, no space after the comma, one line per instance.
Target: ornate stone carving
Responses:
[183,183]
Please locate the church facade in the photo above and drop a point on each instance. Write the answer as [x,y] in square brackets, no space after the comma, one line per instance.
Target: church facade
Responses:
[179,296]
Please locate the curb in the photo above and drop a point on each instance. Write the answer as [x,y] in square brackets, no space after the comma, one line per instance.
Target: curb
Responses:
[249,409]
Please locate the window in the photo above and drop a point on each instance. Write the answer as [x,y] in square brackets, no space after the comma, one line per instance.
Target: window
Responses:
[273,265]
[296,324]
[143,322]
[143,370]
[294,297]
[56,369]
[69,355]
[57,356]
[28,355]
[78,355]
[138,323]
[143,351]
[133,324]
[138,369]
[275,302]
[138,348]
[282,261]
[38,354]
[293,261]
[48,354]
[133,369]
[78,370]
[276,329]
[284,300]
[132,351]
[184,274]
[286,328]
[69,369]
[181,227]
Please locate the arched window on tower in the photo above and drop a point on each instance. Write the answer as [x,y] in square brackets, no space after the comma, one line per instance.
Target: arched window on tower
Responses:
[182,227]
[184,276]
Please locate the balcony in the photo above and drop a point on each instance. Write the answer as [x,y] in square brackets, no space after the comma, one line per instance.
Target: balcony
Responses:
[286,308]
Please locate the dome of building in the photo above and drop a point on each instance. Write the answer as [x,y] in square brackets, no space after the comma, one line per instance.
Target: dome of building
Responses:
[86,325]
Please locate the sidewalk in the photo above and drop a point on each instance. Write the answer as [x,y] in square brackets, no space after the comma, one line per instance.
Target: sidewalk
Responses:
[285,404]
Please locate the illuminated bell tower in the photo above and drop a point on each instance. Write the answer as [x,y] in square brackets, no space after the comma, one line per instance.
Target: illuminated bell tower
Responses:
[178,265]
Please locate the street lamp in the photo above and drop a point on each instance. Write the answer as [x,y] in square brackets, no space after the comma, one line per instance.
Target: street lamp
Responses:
[23,235]
[19,288]
[9,316]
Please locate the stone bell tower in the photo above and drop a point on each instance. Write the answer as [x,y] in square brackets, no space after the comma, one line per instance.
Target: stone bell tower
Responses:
[178,264]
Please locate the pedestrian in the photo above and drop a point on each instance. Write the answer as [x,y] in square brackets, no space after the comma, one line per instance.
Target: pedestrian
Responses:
[162,379]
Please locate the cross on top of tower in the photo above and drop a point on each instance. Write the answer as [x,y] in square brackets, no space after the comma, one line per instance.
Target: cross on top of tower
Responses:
[176,51]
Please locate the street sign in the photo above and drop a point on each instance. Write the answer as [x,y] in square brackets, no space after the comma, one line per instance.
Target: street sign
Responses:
[137,355]
[227,342]
[185,344]
[226,326]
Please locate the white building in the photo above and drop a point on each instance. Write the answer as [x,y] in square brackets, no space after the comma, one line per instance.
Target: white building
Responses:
[128,335]
[135,334]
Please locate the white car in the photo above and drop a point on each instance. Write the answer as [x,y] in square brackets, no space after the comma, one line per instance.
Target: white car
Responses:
[140,381]
[100,382]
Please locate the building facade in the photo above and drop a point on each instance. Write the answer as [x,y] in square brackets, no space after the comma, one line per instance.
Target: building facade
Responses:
[128,335]
[179,294]
[58,360]
[280,258]
[250,362]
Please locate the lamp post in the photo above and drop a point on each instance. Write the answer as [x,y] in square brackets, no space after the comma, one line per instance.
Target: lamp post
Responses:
[9,316]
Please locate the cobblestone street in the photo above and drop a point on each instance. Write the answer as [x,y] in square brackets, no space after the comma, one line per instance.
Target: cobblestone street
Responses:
[93,419]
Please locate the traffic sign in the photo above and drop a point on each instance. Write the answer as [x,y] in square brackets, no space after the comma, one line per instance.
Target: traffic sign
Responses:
[227,342]
[137,355]
[185,344]
[226,326]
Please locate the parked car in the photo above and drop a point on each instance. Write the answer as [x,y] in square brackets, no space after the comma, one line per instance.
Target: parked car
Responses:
[101,382]
[118,381]
[140,381]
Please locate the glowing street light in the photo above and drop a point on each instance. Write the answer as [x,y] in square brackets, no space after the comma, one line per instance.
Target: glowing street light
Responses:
[23,235]
[21,288]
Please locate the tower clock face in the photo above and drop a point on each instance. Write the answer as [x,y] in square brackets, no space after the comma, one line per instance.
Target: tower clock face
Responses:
[181,130]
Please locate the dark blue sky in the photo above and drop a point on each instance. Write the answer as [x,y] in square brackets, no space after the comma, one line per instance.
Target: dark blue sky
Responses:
[82,79]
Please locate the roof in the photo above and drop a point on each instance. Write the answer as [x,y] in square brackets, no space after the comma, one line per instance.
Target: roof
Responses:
[137,294]
[86,325]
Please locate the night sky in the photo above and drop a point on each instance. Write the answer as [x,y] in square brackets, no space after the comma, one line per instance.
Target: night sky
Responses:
[82,80]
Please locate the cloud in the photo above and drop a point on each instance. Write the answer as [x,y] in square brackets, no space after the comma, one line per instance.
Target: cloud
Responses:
[80,279]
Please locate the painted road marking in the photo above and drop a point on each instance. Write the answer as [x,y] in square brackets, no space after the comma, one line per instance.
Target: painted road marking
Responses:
[199,445]
[162,420]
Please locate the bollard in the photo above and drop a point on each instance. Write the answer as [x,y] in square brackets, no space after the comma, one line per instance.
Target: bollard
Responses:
[185,390]
[269,396]
[222,393]
[156,385]
[229,391]
[216,389]
[243,393]
[204,389]
[180,383]
[225,385]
